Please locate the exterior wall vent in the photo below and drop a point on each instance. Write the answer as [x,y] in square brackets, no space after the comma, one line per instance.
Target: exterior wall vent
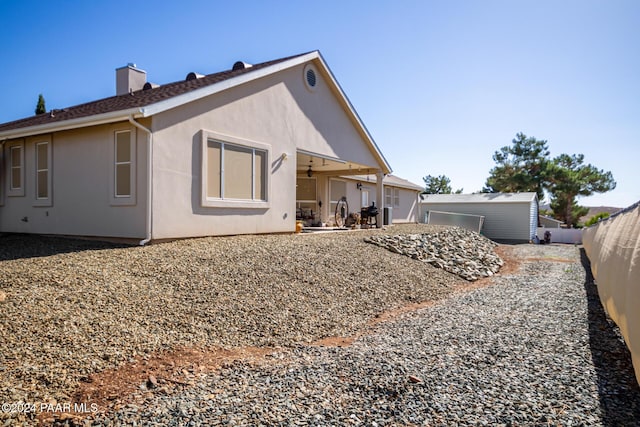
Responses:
[240,65]
[194,76]
[310,76]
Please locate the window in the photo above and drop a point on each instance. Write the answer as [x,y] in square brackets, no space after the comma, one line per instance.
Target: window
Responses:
[123,164]
[42,170]
[392,197]
[365,198]
[337,190]
[42,173]
[123,188]
[2,175]
[235,172]
[15,169]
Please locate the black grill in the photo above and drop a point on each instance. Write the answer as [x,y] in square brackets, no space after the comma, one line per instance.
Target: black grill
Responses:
[369,215]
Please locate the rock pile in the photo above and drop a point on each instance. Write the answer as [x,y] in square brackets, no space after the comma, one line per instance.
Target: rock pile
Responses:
[456,250]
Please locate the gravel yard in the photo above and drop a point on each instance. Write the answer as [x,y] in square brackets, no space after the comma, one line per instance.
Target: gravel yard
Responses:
[73,308]
[534,348]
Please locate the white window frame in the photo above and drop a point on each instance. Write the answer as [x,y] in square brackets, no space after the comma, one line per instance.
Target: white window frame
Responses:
[43,201]
[222,202]
[334,203]
[15,191]
[364,198]
[130,199]
[392,196]
[2,174]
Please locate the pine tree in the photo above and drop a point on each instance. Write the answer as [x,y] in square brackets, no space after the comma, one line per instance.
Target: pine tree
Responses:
[41,108]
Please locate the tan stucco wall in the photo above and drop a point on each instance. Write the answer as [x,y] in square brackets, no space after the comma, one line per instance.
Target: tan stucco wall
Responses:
[405,212]
[82,162]
[277,110]
[613,247]
[408,209]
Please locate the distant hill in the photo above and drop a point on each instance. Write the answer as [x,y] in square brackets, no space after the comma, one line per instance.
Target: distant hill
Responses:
[593,210]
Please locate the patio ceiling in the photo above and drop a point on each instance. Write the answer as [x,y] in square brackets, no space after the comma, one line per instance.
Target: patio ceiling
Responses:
[325,165]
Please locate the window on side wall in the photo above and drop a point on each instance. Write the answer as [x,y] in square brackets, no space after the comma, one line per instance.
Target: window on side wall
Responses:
[15,169]
[234,172]
[392,197]
[124,168]
[43,173]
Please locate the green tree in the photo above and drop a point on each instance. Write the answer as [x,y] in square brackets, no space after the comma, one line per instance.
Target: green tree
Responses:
[526,166]
[438,185]
[568,178]
[40,107]
[597,217]
[519,167]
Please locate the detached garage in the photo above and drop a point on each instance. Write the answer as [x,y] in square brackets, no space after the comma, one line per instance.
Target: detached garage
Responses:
[507,216]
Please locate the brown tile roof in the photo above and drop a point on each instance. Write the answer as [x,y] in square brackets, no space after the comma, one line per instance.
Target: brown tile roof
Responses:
[137,99]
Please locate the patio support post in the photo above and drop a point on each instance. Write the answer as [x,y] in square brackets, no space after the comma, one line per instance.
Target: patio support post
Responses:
[380,198]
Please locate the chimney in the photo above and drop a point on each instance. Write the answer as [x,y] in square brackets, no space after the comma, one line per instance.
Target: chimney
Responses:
[129,79]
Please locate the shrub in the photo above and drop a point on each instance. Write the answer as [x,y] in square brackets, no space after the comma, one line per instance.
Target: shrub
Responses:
[594,219]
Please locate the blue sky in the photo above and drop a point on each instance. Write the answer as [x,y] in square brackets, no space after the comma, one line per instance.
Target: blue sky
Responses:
[440,85]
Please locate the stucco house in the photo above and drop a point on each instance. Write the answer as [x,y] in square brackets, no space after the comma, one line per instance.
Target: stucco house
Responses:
[218,154]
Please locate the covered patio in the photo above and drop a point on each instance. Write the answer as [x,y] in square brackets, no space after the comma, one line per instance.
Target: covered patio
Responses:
[320,186]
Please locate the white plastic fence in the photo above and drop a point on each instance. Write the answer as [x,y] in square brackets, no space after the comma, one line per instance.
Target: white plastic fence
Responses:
[562,235]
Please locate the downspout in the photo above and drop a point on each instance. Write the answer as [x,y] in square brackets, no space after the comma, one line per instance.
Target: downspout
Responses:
[147,239]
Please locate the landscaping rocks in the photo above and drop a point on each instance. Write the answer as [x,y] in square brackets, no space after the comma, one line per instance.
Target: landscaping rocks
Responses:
[534,349]
[74,308]
[217,331]
[456,250]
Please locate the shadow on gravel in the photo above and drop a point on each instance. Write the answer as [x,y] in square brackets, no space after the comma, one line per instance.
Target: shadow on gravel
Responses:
[618,389]
[19,246]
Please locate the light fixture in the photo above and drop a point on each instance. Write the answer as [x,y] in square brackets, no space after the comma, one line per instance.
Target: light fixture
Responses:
[309,171]
[284,156]
[359,186]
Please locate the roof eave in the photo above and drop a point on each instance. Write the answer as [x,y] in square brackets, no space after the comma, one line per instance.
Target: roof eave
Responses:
[195,95]
[386,167]
[179,100]
[205,91]
[94,120]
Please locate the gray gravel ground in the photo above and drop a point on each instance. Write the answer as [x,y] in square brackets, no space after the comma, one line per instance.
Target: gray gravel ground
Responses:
[72,308]
[533,349]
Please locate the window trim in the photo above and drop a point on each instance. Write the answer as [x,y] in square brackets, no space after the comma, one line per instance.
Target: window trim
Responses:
[2,174]
[17,191]
[123,200]
[43,201]
[333,203]
[392,198]
[222,202]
